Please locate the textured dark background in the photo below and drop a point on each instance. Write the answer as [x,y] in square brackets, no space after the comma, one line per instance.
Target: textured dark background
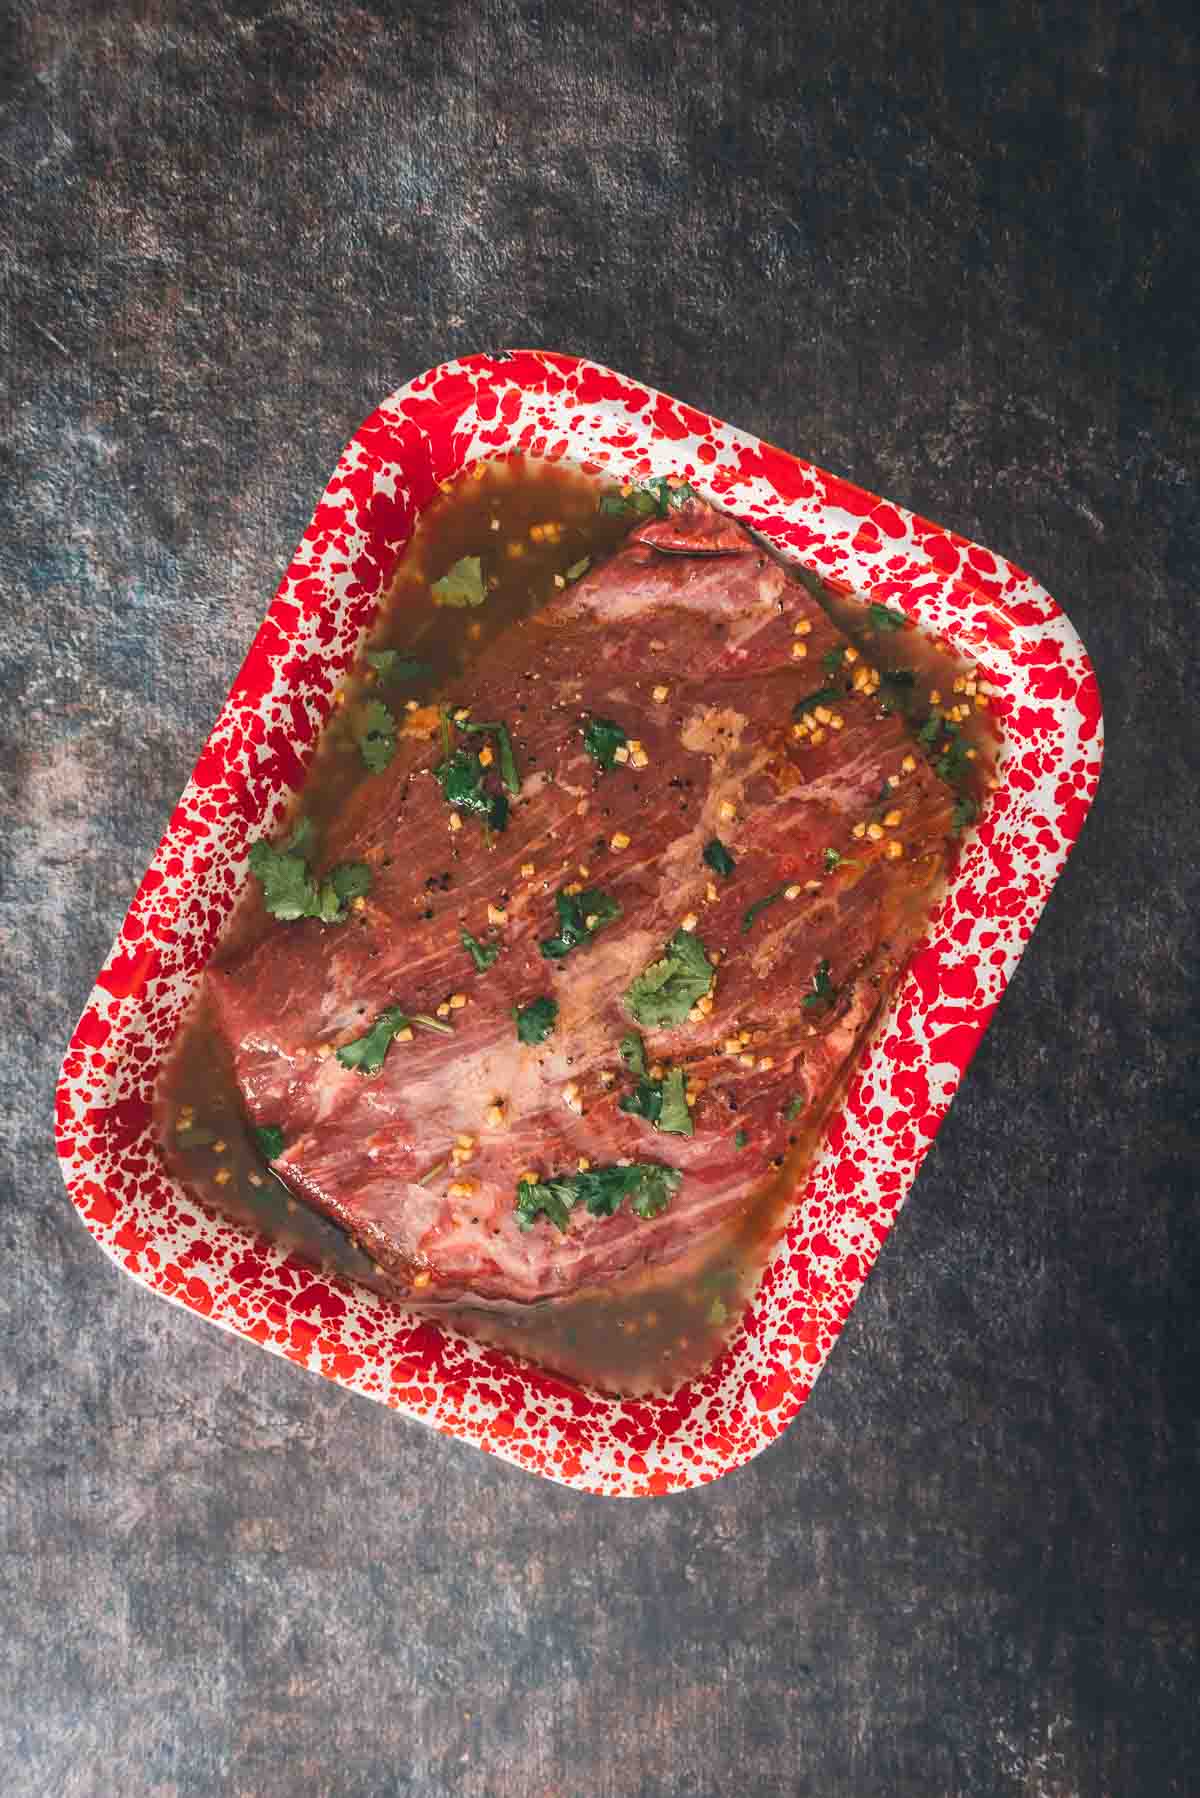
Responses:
[947,250]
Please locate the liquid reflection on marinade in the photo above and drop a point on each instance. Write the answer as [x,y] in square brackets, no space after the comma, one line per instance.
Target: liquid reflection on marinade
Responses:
[537,529]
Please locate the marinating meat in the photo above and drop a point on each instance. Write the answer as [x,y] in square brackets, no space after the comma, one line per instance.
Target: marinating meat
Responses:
[639,882]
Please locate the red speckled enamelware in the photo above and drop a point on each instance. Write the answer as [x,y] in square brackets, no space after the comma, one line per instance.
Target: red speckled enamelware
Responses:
[1048,709]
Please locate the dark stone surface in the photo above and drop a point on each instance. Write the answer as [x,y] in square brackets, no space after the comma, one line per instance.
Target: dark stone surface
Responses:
[947,250]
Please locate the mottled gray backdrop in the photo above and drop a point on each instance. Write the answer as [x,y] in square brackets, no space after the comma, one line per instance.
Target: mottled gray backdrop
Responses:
[948,250]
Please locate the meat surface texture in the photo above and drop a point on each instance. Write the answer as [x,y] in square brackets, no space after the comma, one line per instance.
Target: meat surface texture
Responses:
[687,639]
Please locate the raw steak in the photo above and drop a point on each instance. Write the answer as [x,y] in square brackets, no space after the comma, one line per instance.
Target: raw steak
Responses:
[685,638]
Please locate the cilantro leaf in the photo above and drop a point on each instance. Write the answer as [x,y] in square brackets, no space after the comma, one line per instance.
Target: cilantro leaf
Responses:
[898,677]
[349,880]
[602,739]
[814,699]
[833,858]
[831,661]
[824,992]
[674,1116]
[953,765]
[577,570]
[390,665]
[794,1107]
[508,761]
[928,732]
[366,1053]
[965,812]
[718,858]
[601,1190]
[882,619]
[376,735]
[751,913]
[664,993]
[580,916]
[461,778]
[462,585]
[740,1138]
[645,1101]
[662,1103]
[482,954]
[634,504]
[536,1020]
[269,1138]
[654,497]
[289,889]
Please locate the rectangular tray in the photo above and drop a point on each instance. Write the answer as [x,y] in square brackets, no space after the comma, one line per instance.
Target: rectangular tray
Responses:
[1047,706]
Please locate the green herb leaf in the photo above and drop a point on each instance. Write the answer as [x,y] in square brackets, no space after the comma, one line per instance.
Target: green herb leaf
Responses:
[482,954]
[831,661]
[269,1138]
[647,1185]
[831,858]
[897,677]
[718,858]
[645,1101]
[578,569]
[461,778]
[928,733]
[536,1020]
[666,991]
[965,812]
[289,890]
[740,1138]
[508,762]
[602,739]
[884,620]
[654,496]
[717,1313]
[366,1053]
[462,585]
[793,1108]
[674,1116]
[662,1103]
[953,765]
[824,992]
[751,913]
[376,735]
[636,504]
[820,697]
[391,665]
[633,1054]
[580,916]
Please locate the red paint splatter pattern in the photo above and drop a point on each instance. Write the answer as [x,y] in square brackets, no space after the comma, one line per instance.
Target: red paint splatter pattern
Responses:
[1048,706]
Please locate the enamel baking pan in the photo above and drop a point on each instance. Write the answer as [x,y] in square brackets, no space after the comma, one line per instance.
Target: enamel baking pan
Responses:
[1046,704]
